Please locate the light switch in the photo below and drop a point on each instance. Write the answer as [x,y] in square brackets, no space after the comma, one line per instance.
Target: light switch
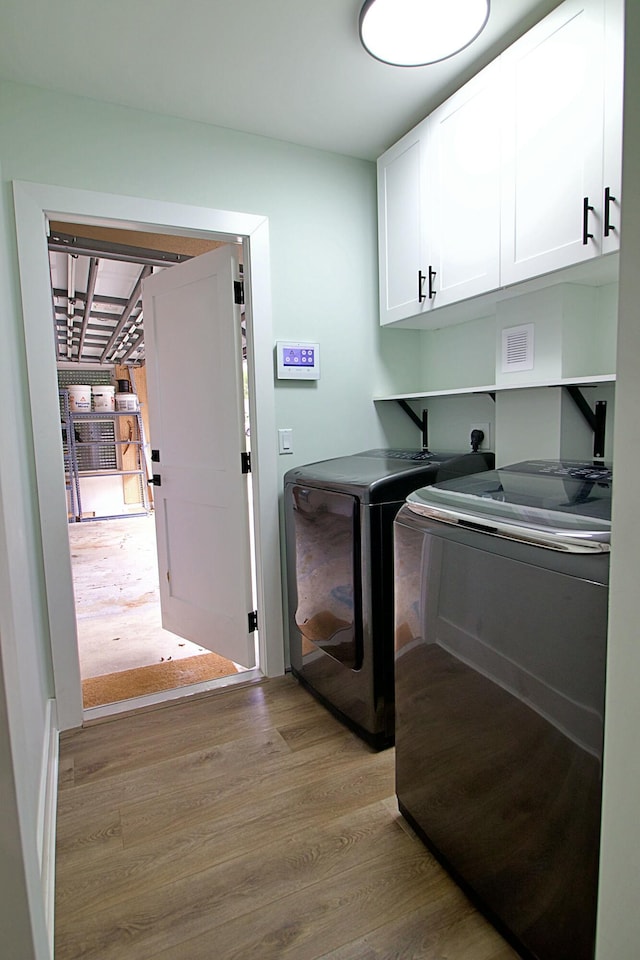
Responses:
[285,440]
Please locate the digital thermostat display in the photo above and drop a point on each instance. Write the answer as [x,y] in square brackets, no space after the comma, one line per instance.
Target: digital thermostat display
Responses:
[298,355]
[297,361]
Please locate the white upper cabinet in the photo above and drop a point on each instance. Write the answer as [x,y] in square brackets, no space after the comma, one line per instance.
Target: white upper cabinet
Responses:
[553,187]
[516,176]
[463,191]
[439,205]
[401,211]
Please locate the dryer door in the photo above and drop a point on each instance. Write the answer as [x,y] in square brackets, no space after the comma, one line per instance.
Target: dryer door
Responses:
[328,579]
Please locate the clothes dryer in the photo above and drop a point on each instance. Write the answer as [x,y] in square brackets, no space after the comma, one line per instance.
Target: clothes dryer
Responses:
[339,546]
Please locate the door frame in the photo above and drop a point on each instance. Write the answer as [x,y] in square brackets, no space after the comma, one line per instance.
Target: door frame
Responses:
[35,204]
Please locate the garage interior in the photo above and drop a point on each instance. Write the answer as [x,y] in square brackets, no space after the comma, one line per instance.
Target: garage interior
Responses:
[98,335]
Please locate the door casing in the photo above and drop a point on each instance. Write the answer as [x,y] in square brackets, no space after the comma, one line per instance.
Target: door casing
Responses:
[35,204]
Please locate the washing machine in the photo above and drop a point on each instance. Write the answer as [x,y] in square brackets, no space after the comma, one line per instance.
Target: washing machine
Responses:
[501,621]
[339,549]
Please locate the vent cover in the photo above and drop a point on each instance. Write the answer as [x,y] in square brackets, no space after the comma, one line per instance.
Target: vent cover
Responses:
[517,348]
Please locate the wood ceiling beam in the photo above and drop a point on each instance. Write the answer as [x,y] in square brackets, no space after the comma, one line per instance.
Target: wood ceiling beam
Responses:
[125,239]
[83,246]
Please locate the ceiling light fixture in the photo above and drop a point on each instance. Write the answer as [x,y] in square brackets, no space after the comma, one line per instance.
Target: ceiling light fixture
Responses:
[413,33]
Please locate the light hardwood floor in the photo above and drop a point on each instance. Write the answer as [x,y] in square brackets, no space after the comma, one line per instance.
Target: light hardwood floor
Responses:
[246,824]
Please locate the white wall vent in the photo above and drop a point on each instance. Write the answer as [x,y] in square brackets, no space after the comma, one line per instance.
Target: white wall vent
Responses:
[517,348]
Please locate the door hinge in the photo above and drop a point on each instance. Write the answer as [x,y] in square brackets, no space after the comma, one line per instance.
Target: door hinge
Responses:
[253,621]
[238,291]
[246,462]
[156,480]
[155,456]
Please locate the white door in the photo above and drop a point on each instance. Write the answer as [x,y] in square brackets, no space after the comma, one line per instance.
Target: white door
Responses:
[196,414]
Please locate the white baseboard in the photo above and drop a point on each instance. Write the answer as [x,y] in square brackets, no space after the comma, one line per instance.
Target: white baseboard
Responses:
[47,809]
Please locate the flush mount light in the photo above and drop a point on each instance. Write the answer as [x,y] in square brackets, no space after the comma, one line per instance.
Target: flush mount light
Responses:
[412,33]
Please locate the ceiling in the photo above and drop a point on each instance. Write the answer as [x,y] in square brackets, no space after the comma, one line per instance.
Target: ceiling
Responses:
[292,70]
[96,284]
[288,69]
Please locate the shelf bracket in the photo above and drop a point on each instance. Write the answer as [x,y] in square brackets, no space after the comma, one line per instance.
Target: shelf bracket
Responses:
[597,420]
[421,423]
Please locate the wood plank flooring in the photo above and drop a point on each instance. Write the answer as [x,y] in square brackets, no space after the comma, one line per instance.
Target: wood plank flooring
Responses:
[244,824]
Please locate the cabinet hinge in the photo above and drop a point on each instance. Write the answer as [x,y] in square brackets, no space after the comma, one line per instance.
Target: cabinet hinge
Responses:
[246,462]
[238,291]
[253,621]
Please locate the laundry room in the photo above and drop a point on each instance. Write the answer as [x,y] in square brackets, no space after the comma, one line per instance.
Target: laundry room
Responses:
[400,522]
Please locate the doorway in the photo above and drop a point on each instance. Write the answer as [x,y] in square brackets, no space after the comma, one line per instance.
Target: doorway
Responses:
[124,651]
[35,204]
[98,318]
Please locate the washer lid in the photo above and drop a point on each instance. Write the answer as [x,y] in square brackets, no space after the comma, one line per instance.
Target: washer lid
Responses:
[563,505]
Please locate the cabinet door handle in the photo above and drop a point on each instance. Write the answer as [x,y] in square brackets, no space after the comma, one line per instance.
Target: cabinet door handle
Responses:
[421,279]
[586,209]
[608,200]
[432,276]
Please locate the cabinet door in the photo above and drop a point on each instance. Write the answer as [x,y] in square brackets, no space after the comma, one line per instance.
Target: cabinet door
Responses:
[400,245]
[613,56]
[463,227]
[553,86]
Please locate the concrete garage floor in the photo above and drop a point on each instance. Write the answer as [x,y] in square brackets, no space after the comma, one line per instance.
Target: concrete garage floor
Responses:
[115,576]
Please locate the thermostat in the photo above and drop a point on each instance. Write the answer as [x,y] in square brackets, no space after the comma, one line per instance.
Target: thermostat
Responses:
[296,360]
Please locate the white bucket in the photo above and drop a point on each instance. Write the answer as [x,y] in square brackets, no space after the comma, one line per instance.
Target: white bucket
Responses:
[103,397]
[126,402]
[79,397]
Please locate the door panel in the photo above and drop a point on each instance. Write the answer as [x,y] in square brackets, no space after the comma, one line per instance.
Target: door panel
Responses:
[194,366]
[400,227]
[464,194]
[553,83]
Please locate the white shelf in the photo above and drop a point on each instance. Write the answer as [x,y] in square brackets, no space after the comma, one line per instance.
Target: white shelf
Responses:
[497,387]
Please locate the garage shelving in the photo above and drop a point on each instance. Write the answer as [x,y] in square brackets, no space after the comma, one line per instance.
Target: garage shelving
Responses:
[93,448]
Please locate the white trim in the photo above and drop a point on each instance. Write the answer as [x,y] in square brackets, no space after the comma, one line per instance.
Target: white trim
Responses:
[47,811]
[34,204]
[264,466]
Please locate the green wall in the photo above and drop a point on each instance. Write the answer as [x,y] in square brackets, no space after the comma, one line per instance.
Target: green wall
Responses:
[322,221]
